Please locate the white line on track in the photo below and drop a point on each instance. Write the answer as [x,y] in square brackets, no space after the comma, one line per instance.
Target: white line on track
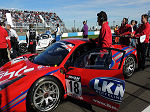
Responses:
[147,109]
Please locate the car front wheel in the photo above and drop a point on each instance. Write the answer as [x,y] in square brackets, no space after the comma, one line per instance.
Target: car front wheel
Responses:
[45,95]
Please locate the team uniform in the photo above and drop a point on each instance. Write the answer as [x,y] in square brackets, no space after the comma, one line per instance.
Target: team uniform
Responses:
[144,29]
[105,37]
[124,30]
[31,38]
[4,41]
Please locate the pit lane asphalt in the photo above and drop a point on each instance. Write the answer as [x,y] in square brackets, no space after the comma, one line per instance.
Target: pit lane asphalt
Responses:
[136,98]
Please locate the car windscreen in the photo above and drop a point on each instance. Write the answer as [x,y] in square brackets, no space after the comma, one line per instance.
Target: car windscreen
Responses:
[54,54]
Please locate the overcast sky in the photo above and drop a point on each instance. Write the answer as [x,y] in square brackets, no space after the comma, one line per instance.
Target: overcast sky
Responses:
[80,10]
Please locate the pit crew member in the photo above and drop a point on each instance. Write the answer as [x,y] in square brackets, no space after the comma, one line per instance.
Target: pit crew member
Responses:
[4,41]
[125,29]
[144,29]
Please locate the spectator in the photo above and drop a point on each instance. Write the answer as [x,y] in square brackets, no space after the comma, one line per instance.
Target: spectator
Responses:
[48,31]
[85,29]
[143,30]
[125,29]
[4,41]
[31,38]
[58,33]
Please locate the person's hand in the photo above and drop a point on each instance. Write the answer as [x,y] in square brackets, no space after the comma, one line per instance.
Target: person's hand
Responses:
[132,35]
[11,51]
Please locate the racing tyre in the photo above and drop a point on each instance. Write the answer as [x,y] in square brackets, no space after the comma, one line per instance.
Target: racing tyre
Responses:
[23,48]
[129,66]
[44,95]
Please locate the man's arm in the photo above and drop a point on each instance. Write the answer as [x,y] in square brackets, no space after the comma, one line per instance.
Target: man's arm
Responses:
[144,32]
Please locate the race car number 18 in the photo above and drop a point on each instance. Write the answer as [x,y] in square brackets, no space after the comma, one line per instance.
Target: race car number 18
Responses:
[73,84]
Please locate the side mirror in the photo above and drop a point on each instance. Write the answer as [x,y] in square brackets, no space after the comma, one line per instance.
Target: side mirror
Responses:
[63,70]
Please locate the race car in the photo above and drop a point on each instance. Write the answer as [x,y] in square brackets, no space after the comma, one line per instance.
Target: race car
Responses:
[70,67]
[44,40]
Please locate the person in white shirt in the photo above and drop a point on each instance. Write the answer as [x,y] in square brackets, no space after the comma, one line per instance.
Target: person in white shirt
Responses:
[14,41]
[58,33]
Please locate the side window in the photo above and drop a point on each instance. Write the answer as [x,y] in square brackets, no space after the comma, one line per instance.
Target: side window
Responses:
[98,60]
[76,59]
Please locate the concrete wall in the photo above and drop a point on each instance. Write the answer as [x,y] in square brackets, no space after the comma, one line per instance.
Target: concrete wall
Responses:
[71,34]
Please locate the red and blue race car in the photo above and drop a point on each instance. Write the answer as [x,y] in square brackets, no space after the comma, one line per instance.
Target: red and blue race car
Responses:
[71,67]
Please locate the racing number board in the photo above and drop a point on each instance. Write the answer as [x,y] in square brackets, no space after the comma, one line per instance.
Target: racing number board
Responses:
[73,85]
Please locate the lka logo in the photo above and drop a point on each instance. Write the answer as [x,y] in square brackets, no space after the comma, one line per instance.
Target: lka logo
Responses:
[110,88]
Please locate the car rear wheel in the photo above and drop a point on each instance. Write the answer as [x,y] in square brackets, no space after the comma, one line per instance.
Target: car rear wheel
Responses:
[45,95]
[129,66]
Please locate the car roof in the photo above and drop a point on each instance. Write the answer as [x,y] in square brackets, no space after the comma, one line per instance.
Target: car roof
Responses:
[76,40]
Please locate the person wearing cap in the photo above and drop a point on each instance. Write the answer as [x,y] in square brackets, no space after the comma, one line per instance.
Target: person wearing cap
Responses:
[4,42]
[85,29]
[105,37]
[142,31]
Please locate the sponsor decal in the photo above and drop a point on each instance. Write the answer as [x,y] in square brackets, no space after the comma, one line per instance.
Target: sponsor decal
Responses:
[40,66]
[68,46]
[15,73]
[110,88]
[105,104]
[73,85]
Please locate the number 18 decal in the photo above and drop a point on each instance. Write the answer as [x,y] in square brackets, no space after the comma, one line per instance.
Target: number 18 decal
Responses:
[73,84]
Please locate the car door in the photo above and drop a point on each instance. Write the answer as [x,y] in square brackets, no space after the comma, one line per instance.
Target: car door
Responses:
[93,78]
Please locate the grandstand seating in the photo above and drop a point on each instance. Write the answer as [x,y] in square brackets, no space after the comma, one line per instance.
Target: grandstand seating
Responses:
[22,18]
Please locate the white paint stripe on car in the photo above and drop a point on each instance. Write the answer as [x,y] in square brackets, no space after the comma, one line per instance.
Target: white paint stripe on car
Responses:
[28,70]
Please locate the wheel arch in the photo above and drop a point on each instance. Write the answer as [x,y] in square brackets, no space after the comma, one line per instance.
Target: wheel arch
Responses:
[133,55]
[38,80]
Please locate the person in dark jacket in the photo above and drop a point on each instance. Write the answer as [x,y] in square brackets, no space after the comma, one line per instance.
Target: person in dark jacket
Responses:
[144,31]
[31,38]
[85,29]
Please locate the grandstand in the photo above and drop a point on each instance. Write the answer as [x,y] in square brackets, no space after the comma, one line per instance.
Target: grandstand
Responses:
[20,19]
